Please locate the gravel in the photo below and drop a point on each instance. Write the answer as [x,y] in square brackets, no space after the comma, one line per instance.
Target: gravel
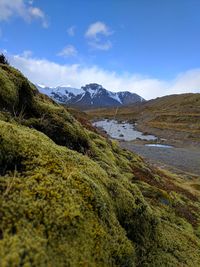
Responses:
[183,159]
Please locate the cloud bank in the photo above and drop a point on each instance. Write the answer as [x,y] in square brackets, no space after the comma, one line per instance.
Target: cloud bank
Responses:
[43,71]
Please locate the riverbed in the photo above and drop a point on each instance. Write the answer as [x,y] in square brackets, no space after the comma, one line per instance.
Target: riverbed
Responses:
[122,130]
[183,159]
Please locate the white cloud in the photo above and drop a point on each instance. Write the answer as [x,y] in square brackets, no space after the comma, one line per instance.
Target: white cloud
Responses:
[97,28]
[71,31]
[12,8]
[188,81]
[37,13]
[68,51]
[52,74]
[96,33]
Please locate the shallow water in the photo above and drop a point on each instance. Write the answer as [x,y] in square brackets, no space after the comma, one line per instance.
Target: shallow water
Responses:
[122,130]
[159,145]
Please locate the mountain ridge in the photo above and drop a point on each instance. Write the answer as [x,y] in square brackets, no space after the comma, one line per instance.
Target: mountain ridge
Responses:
[91,95]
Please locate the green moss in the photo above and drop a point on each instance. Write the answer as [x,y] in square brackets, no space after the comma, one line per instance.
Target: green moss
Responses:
[69,197]
[8,92]
[57,195]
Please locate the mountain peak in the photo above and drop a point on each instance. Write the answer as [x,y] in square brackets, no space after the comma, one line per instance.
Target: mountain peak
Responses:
[92,86]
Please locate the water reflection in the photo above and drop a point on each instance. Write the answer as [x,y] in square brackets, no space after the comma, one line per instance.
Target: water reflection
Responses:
[122,130]
[159,145]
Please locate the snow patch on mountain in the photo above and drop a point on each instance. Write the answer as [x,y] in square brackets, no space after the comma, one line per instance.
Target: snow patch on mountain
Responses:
[81,96]
[115,96]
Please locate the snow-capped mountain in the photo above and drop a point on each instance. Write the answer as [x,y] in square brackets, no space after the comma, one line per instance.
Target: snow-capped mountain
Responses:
[91,95]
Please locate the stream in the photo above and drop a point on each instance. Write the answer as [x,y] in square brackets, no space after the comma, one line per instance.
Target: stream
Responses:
[122,130]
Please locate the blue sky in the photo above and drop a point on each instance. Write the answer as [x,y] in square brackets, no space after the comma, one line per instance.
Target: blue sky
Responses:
[147,46]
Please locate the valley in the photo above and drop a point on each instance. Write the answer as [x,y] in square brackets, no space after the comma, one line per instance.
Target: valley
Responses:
[170,121]
[175,118]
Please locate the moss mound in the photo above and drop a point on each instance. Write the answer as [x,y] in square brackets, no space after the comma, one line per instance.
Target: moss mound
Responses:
[22,100]
[68,197]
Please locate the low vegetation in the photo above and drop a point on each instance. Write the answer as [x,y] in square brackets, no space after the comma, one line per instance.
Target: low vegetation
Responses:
[70,197]
[3,59]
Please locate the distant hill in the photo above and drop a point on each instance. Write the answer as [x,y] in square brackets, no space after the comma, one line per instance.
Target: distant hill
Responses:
[90,96]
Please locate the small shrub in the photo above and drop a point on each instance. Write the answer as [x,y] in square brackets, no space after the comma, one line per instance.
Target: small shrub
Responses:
[3,59]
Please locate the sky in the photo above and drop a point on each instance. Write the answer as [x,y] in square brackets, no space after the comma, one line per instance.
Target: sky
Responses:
[150,47]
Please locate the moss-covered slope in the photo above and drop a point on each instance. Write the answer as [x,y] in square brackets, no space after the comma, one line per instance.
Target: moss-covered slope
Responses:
[69,197]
